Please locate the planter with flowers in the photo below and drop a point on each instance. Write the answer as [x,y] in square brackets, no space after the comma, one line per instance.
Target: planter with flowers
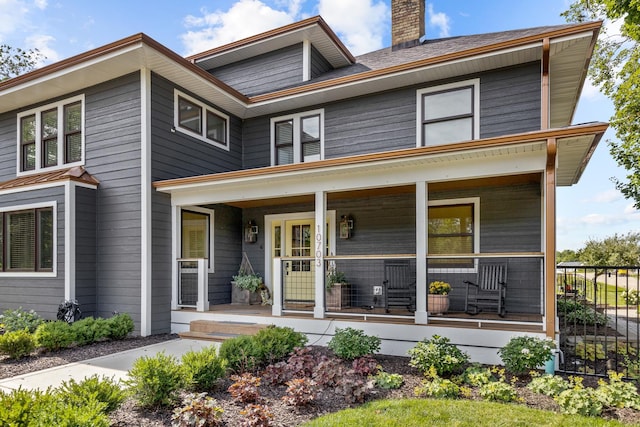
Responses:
[438,298]
[336,289]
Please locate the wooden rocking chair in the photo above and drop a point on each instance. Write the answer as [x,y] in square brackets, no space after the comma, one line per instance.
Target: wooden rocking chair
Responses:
[489,291]
[399,286]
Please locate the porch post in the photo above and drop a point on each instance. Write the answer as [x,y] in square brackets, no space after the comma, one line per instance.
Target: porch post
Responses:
[550,240]
[203,285]
[276,286]
[175,242]
[319,239]
[421,315]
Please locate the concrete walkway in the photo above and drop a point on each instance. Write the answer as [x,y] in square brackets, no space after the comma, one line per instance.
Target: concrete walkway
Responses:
[115,365]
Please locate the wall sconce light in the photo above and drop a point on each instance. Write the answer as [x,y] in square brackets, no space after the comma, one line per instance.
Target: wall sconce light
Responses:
[251,232]
[346,226]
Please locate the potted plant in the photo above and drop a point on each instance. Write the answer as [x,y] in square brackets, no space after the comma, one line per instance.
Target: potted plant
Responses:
[245,288]
[337,289]
[438,298]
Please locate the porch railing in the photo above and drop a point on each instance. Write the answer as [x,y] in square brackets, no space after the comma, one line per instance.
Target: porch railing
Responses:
[598,319]
[193,283]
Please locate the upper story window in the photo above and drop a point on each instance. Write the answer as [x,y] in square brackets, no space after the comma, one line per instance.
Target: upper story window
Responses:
[51,136]
[448,113]
[297,138]
[27,237]
[200,120]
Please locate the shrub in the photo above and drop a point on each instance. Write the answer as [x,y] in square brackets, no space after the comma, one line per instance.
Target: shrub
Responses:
[155,381]
[349,343]
[300,392]
[19,319]
[240,353]
[476,375]
[197,410]
[365,366]
[119,326]
[275,343]
[578,312]
[437,352]
[328,372]
[617,393]
[301,363]
[631,297]
[498,391]
[104,390]
[549,385]
[89,330]
[438,388]
[353,388]
[19,407]
[256,416]
[522,354]
[590,351]
[579,400]
[203,368]
[388,381]
[245,388]
[17,344]
[54,335]
[277,373]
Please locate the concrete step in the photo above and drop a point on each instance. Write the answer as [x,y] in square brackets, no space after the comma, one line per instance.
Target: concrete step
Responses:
[211,330]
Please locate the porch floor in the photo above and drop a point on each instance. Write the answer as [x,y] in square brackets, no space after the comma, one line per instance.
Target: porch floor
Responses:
[521,322]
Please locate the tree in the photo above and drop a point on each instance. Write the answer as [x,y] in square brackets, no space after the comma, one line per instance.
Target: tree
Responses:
[16,61]
[567,255]
[613,251]
[615,68]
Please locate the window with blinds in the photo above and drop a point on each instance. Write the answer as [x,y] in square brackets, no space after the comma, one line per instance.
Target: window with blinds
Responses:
[297,138]
[27,239]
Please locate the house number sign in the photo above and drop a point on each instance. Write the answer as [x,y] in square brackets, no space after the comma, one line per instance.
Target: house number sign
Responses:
[319,247]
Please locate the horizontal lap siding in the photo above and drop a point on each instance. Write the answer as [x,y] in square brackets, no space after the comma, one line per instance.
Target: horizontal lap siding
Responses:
[175,155]
[113,156]
[8,146]
[319,65]
[264,73]
[42,294]
[86,249]
[227,252]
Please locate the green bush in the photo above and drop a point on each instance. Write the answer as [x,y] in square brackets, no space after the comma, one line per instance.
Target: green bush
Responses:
[119,326]
[437,352]
[275,343]
[477,375]
[388,381]
[54,335]
[240,353]
[498,391]
[349,343]
[617,393]
[89,330]
[155,381]
[17,344]
[203,368]
[197,410]
[522,354]
[581,401]
[104,390]
[438,388]
[19,319]
[578,312]
[549,385]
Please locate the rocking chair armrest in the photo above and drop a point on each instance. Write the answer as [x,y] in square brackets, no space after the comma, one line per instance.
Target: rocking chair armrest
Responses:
[470,283]
[503,284]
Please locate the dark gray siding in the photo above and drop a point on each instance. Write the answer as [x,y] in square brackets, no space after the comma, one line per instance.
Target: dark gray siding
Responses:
[173,155]
[264,73]
[42,294]
[86,249]
[8,132]
[113,156]
[509,103]
[319,65]
[227,252]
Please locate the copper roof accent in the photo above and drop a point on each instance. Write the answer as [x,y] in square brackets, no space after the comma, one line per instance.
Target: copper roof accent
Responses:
[76,174]
[315,20]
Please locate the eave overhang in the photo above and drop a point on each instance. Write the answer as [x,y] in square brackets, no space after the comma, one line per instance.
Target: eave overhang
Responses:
[575,146]
[571,49]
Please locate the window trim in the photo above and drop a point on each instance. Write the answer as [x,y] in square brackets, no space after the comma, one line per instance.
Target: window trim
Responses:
[297,130]
[475,201]
[202,136]
[17,208]
[39,143]
[475,83]
[211,252]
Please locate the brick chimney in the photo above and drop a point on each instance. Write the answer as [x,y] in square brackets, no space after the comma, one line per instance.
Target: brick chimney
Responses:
[407,23]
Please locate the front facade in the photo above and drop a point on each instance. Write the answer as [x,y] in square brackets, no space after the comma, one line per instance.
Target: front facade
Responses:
[135,180]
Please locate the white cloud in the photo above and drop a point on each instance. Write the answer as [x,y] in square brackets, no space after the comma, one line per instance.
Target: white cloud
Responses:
[12,17]
[439,20]
[361,24]
[631,210]
[608,196]
[244,19]
[42,43]
[41,4]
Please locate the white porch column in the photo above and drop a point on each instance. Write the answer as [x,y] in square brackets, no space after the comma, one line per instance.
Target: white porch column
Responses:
[421,316]
[175,239]
[276,285]
[203,285]
[319,240]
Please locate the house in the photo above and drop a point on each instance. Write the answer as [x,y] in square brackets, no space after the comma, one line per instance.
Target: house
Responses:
[133,179]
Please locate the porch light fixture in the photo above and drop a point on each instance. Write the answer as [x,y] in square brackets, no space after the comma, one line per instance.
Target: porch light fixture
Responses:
[346,226]
[251,232]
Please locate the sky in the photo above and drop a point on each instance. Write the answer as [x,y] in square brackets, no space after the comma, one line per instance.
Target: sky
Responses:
[592,209]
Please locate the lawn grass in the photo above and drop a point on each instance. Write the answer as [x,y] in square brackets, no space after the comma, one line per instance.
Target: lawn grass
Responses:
[458,413]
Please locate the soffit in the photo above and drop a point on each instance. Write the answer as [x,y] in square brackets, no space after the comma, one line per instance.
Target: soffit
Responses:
[574,154]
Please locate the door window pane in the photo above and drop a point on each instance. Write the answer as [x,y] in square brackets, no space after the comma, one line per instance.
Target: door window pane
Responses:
[195,235]
[451,231]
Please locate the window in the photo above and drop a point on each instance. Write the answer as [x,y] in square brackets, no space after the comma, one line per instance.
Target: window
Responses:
[196,236]
[448,113]
[201,121]
[51,136]
[297,138]
[453,229]
[27,240]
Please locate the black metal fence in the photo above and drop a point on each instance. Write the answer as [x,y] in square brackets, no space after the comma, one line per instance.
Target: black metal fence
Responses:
[598,319]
